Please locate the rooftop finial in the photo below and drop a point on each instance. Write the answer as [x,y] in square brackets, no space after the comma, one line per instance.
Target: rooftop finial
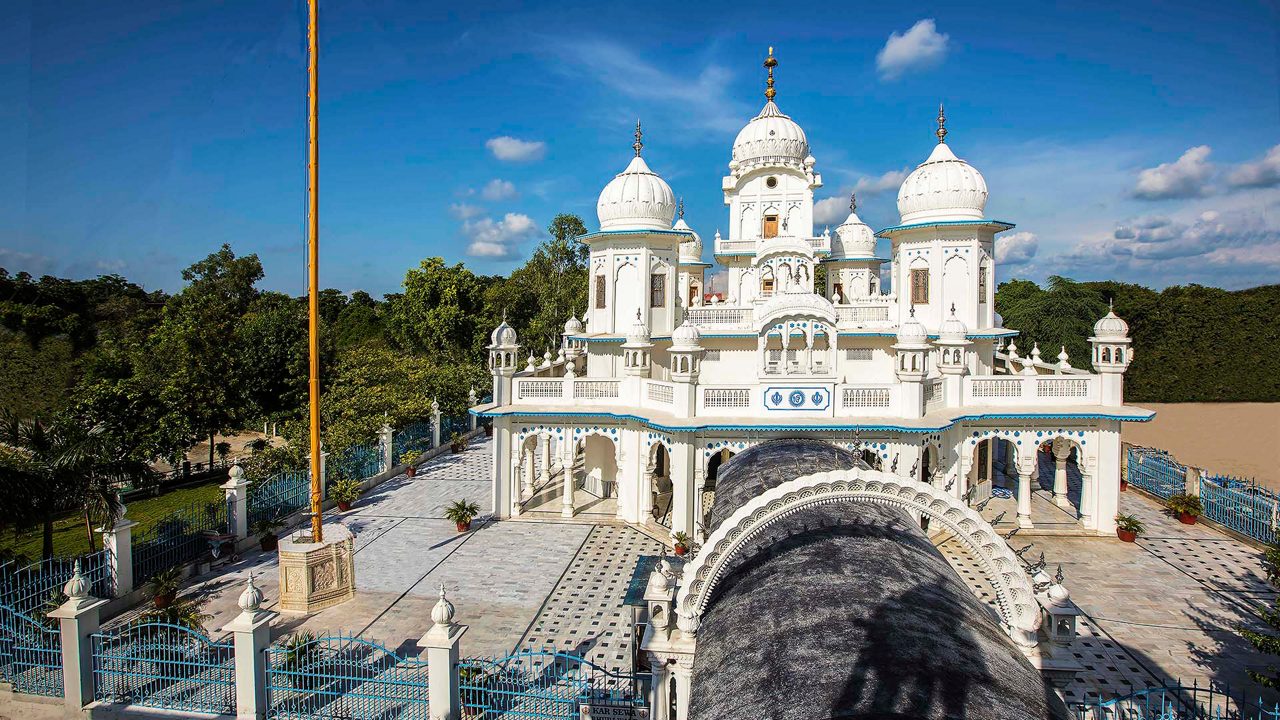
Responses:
[853,202]
[681,210]
[942,124]
[770,62]
[637,145]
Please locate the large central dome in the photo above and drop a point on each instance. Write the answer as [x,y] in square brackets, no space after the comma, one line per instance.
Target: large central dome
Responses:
[771,138]
[636,199]
[943,188]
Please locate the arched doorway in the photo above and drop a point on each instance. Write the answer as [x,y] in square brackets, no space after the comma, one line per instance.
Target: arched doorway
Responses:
[600,467]
[708,499]
[659,470]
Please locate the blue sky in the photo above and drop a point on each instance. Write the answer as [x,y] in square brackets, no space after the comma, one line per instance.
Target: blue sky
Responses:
[1135,141]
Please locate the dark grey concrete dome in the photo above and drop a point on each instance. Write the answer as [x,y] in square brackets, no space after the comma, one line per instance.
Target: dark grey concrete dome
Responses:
[848,612]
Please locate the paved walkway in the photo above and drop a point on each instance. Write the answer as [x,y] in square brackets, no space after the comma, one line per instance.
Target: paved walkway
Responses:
[1159,609]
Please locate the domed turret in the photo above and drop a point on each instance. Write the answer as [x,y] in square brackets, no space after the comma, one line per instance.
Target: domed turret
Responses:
[503,336]
[572,326]
[1111,327]
[771,138]
[686,336]
[953,329]
[943,187]
[636,199]
[854,238]
[690,249]
[639,332]
[911,332]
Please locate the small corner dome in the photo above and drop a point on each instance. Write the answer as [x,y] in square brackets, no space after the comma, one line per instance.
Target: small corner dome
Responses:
[503,336]
[911,332]
[953,329]
[944,187]
[1111,326]
[639,332]
[636,199]
[770,138]
[854,238]
[686,336]
[690,248]
[572,326]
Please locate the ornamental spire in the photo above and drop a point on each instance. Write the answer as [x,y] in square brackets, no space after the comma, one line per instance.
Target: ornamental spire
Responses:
[770,63]
[853,202]
[681,209]
[638,145]
[942,125]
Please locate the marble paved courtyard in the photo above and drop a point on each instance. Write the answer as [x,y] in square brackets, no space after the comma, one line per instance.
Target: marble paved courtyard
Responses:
[1160,609]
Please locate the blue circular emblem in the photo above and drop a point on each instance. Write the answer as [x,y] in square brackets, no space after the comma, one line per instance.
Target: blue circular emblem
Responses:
[817,398]
[776,397]
[796,398]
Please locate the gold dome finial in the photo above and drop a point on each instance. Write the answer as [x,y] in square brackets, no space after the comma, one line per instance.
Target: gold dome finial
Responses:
[770,63]
[637,145]
[681,210]
[853,202]
[942,125]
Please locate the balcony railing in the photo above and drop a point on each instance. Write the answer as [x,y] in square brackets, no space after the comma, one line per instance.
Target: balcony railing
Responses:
[860,313]
[1030,389]
[735,246]
[719,316]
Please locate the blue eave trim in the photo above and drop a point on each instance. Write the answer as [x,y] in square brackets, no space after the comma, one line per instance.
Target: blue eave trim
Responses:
[616,233]
[831,427]
[998,225]
[876,258]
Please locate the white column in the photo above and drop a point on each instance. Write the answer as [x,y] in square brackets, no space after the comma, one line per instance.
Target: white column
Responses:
[526,465]
[251,632]
[1024,490]
[435,423]
[1061,452]
[544,447]
[118,542]
[78,619]
[808,351]
[1087,490]
[471,401]
[441,643]
[236,489]
[1106,477]
[684,685]
[685,464]
[386,446]
[503,482]
[566,502]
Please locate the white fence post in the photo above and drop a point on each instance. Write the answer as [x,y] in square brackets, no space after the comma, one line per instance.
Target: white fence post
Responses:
[386,446]
[435,423]
[441,642]
[237,492]
[472,400]
[78,619]
[252,632]
[117,540]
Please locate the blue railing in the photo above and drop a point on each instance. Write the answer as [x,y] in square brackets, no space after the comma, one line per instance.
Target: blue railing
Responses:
[414,436]
[344,678]
[182,537]
[162,665]
[1240,505]
[360,461]
[1179,702]
[1156,472]
[279,496]
[450,425]
[30,653]
[36,588]
[542,684]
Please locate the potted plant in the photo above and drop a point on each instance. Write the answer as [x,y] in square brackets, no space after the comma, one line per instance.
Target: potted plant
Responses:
[682,543]
[409,458]
[1128,527]
[462,512]
[457,442]
[163,586]
[345,491]
[1124,483]
[1186,507]
[266,529]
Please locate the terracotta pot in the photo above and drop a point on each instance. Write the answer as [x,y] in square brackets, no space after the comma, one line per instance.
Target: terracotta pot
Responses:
[681,550]
[1124,485]
[344,506]
[163,601]
[409,471]
[455,449]
[1126,535]
[464,526]
[268,542]
[1186,518]
[488,431]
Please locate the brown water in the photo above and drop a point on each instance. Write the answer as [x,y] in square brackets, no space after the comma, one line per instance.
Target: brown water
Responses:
[1240,439]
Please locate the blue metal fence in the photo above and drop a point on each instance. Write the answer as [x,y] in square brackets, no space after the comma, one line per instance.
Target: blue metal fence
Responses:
[182,537]
[414,436]
[162,665]
[542,684]
[279,496]
[36,588]
[344,678]
[1156,472]
[1178,702]
[360,461]
[30,653]
[1240,505]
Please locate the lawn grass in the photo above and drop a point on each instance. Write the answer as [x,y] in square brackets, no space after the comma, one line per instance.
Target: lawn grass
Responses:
[68,532]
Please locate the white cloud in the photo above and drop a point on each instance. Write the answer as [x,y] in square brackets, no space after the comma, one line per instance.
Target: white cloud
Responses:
[1186,177]
[1016,248]
[497,189]
[830,211]
[919,48]
[509,149]
[891,180]
[1263,173]
[497,238]
[16,261]
[464,211]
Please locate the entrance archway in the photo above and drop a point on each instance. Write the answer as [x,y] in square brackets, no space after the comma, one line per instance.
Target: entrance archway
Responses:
[708,498]
[661,489]
[600,466]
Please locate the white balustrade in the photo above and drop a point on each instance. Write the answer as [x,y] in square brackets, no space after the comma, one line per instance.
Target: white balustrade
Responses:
[864,397]
[595,389]
[820,243]
[659,392]
[875,312]
[539,389]
[726,397]
[714,315]
[1050,387]
[1028,389]
[933,395]
[729,246]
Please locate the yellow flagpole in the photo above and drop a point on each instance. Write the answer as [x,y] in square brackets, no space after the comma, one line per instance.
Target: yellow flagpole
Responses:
[313,257]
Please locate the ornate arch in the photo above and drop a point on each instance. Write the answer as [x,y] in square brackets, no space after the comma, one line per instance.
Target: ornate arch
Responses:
[1015,597]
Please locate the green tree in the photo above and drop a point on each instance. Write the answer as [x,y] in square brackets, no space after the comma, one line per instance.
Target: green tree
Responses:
[438,311]
[1060,316]
[541,294]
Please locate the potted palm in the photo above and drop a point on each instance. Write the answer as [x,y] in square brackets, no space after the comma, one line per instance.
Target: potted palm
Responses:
[409,458]
[1128,527]
[301,653]
[682,543]
[1186,507]
[266,529]
[345,491]
[163,586]
[462,512]
[457,442]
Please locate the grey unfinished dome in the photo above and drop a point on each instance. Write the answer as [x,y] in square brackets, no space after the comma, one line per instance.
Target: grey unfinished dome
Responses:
[848,611]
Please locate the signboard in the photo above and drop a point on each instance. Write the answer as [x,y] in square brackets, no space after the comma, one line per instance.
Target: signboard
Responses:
[588,711]
[797,398]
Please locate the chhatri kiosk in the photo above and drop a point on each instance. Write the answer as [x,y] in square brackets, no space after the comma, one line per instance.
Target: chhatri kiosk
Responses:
[655,388]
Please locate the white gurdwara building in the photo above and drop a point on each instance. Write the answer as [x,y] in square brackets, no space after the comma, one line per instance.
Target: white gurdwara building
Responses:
[653,389]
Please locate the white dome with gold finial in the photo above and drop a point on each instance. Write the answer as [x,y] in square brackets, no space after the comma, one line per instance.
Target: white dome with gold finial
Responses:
[636,199]
[942,188]
[770,138]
